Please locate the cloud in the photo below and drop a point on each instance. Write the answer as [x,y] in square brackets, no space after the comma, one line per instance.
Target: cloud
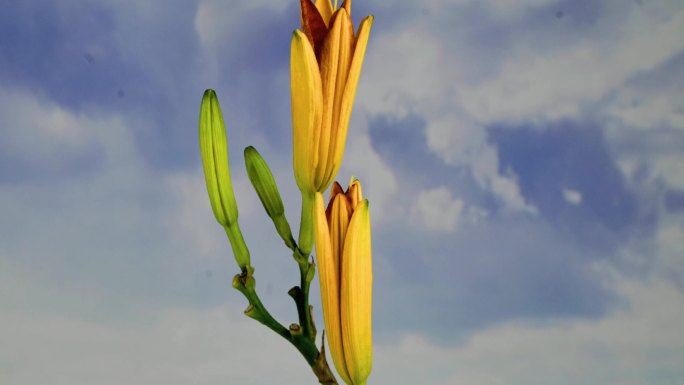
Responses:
[171,346]
[379,180]
[138,61]
[44,142]
[671,248]
[639,343]
[437,210]
[572,196]
[561,81]
[117,221]
[645,126]
[520,64]
[488,271]
[550,159]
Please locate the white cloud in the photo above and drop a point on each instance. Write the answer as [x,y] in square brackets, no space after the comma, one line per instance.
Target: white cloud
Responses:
[561,82]
[192,216]
[424,80]
[90,264]
[442,76]
[106,229]
[645,109]
[40,134]
[398,81]
[459,142]
[377,178]
[646,124]
[572,196]
[670,240]
[172,346]
[437,210]
[639,344]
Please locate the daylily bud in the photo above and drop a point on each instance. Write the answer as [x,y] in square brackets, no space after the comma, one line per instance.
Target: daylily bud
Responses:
[325,65]
[214,151]
[343,250]
[267,190]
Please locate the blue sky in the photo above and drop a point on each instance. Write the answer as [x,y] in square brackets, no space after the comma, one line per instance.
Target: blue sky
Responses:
[522,159]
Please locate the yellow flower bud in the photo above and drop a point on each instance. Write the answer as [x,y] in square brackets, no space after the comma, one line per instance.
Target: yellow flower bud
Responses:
[325,65]
[343,250]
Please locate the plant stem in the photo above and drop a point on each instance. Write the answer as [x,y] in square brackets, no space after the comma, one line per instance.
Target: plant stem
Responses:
[301,294]
[303,340]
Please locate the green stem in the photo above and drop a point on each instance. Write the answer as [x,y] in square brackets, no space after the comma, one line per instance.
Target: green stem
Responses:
[306,234]
[300,294]
[237,243]
[296,335]
[246,284]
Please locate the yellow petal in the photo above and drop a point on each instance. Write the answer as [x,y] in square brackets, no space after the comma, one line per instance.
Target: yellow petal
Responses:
[329,73]
[347,99]
[356,296]
[334,190]
[328,276]
[344,58]
[347,5]
[338,221]
[354,193]
[307,102]
[325,9]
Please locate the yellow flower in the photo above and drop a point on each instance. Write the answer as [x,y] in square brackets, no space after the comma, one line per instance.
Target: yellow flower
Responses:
[326,59]
[343,249]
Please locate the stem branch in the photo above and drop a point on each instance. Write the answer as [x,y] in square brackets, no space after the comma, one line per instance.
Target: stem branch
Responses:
[301,338]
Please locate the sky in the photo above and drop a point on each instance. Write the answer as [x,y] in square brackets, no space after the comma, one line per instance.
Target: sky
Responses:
[522,160]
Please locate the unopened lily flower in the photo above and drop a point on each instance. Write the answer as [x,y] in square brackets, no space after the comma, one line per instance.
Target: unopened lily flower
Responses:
[343,249]
[326,59]
[214,151]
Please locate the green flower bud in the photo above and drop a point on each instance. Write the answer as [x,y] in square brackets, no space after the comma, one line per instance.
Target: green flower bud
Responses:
[214,151]
[237,243]
[267,190]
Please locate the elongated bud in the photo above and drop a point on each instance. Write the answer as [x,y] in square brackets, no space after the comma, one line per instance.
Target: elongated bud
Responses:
[344,255]
[306,232]
[237,243]
[356,295]
[214,151]
[267,190]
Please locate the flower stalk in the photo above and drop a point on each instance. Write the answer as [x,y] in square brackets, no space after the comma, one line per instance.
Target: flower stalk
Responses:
[325,64]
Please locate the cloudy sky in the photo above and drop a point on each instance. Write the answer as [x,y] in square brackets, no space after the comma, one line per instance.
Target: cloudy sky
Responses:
[523,160]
